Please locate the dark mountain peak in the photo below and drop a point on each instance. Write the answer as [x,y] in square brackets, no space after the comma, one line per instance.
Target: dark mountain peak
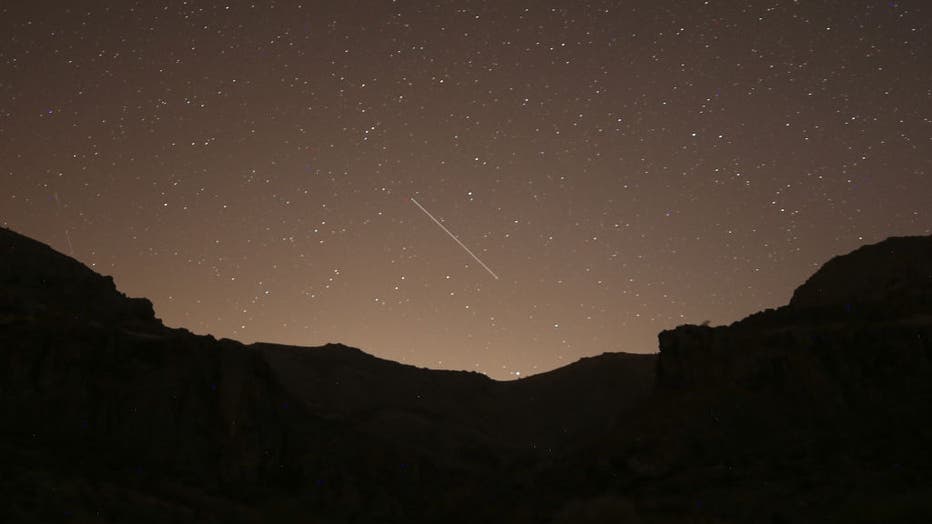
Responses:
[38,283]
[894,268]
[610,366]
[880,293]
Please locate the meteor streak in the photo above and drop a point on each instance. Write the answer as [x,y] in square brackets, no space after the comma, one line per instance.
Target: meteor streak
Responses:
[426,212]
[67,234]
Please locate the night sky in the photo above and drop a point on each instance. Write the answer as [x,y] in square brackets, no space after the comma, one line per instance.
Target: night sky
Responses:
[622,167]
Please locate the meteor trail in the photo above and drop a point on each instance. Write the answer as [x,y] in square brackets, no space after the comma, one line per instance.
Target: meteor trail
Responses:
[67,234]
[426,212]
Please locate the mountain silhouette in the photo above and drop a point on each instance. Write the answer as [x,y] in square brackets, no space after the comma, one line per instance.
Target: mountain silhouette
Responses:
[815,411]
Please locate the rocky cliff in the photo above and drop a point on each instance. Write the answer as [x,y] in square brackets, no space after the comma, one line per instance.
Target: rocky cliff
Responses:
[36,282]
[832,388]
[857,316]
[895,271]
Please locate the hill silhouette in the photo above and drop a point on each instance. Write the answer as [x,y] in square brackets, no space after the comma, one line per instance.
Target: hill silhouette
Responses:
[816,411]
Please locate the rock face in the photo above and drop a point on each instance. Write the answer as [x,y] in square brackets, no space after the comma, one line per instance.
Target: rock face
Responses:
[859,314]
[897,269]
[812,412]
[832,388]
[38,282]
[98,399]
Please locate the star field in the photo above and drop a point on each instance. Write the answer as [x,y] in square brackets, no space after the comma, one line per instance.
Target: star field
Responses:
[622,166]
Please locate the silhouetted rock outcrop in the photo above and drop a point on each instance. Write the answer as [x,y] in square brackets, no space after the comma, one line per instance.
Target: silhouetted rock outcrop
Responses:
[38,282]
[898,269]
[826,398]
[859,314]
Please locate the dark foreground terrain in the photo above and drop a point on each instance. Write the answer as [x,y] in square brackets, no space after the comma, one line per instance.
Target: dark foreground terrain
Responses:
[818,411]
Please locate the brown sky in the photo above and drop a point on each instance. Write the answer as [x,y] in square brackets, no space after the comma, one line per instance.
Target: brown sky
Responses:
[623,167]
